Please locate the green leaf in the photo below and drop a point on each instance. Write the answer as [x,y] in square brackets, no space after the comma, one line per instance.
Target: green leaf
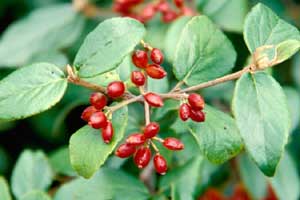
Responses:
[35,195]
[293,100]
[31,90]
[4,190]
[173,35]
[262,116]
[220,11]
[46,28]
[60,162]
[286,181]
[87,149]
[296,69]
[217,137]
[253,179]
[106,46]
[263,27]
[178,178]
[31,172]
[54,57]
[203,52]
[106,184]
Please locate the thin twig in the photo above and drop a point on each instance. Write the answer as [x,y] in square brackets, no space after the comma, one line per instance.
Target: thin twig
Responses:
[125,103]
[177,86]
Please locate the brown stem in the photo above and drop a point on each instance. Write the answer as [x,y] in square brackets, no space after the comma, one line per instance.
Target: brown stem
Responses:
[173,95]
[177,86]
[217,81]
[125,103]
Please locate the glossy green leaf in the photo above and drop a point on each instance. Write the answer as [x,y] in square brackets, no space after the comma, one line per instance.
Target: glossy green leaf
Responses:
[35,195]
[173,35]
[4,190]
[203,52]
[87,149]
[46,28]
[60,162]
[220,11]
[106,46]
[293,100]
[286,182]
[31,90]
[217,137]
[106,184]
[253,179]
[262,116]
[31,172]
[264,27]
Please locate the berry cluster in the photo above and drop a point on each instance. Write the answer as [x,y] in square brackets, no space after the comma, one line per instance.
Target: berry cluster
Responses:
[193,108]
[94,114]
[168,14]
[138,144]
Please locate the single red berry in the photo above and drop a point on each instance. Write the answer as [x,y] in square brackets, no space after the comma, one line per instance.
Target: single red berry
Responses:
[163,6]
[169,16]
[107,132]
[98,100]
[157,56]
[173,144]
[142,157]
[125,150]
[88,112]
[160,164]
[153,99]
[196,101]
[138,78]
[179,3]
[156,71]
[151,130]
[121,8]
[115,89]
[98,120]
[197,115]
[186,11]
[140,59]
[148,12]
[184,112]
[136,139]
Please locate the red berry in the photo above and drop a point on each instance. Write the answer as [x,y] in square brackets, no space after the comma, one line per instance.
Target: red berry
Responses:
[196,101]
[184,112]
[140,59]
[187,11]
[179,3]
[107,132]
[125,150]
[169,16]
[156,71]
[153,99]
[136,139]
[163,6]
[98,100]
[148,12]
[88,112]
[98,120]
[115,89]
[156,56]
[173,144]
[142,157]
[138,78]
[151,130]
[160,164]
[197,115]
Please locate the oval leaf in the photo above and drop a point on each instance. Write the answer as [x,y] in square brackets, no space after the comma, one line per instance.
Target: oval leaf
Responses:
[262,116]
[264,27]
[40,31]
[31,90]
[35,195]
[106,184]
[203,52]
[218,136]
[87,149]
[4,190]
[32,172]
[106,46]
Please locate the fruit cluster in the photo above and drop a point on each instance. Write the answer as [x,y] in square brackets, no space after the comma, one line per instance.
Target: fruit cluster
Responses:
[193,108]
[129,8]
[94,114]
[138,144]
